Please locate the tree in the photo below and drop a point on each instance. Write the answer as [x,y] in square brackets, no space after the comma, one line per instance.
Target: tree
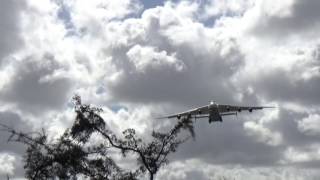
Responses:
[71,155]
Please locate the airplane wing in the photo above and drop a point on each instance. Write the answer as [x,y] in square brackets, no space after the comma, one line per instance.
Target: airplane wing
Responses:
[224,110]
[232,108]
[195,111]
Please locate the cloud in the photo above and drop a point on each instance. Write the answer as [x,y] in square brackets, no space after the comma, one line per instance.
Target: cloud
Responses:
[281,72]
[90,17]
[142,63]
[11,40]
[263,134]
[31,91]
[7,163]
[203,62]
[282,86]
[225,8]
[195,169]
[13,120]
[11,152]
[290,17]
[310,125]
[147,57]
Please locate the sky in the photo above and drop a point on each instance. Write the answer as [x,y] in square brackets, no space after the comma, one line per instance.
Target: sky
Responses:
[140,59]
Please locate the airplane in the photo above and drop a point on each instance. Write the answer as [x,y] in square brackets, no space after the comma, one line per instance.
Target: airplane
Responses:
[214,111]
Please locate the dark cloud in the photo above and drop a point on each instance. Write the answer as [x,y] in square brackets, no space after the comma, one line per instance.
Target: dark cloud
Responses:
[12,120]
[228,143]
[303,18]
[288,126]
[31,92]
[206,73]
[281,85]
[10,14]
[187,65]
[13,148]
[196,175]
[296,82]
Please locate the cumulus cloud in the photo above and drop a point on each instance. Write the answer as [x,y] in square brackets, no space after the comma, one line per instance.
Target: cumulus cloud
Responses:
[197,55]
[7,163]
[139,63]
[263,134]
[143,57]
[226,8]
[305,157]
[286,18]
[310,125]
[10,15]
[91,17]
[30,89]
[195,169]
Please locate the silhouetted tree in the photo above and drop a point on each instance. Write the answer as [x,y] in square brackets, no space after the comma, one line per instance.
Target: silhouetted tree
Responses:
[72,156]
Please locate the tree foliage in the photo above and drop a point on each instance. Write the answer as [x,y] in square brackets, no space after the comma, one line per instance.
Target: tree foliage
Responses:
[72,156]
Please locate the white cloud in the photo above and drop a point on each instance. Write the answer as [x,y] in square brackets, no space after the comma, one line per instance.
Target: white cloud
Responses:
[310,125]
[226,7]
[172,37]
[263,134]
[282,9]
[91,17]
[137,117]
[302,155]
[288,18]
[166,60]
[147,57]
[7,162]
[195,169]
